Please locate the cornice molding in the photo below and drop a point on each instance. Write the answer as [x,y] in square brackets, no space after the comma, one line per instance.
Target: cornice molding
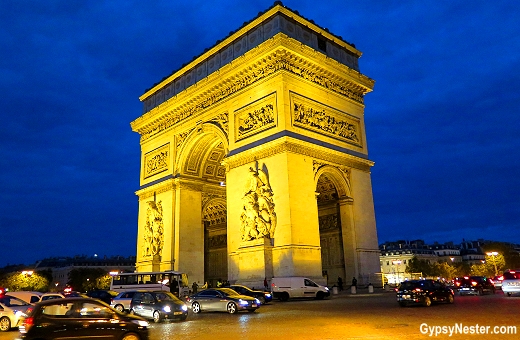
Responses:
[287,144]
[278,54]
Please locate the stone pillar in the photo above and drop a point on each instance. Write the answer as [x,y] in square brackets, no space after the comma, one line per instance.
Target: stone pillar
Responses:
[349,238]
[255,262]
[189,231]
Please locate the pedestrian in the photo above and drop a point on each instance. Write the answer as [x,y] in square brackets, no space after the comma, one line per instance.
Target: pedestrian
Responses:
[266,287]
[340,283]
[354,282]
[194,287]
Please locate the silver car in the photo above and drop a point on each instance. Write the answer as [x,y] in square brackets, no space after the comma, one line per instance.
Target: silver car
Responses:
[12,312]
[122,301]
[223,300]
[511,282]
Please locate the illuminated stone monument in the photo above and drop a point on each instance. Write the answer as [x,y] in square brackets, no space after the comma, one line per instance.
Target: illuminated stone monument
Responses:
[254,160]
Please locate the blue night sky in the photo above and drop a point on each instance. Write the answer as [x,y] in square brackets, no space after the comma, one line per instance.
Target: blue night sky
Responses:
[442,121]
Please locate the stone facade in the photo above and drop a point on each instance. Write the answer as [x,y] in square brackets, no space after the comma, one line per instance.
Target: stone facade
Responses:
[256,154]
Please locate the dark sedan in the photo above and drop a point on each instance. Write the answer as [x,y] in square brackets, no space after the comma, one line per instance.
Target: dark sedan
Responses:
[475,285]
[104,295]
[159,306]
[81,318]
[264,297]
[222,299]
[423,292]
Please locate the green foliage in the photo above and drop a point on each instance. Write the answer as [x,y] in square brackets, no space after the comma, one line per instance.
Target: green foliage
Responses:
[17,281]
[85,279]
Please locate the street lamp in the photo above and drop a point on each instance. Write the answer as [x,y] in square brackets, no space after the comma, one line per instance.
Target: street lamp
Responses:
[493,254]
[396,263]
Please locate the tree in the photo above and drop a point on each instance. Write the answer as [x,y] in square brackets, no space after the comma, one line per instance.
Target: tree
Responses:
[24,281]
[416,265]
[85,279]
[445,270]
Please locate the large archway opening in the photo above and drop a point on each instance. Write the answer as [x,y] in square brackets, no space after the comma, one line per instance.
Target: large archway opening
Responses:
[331,237]
[201,159]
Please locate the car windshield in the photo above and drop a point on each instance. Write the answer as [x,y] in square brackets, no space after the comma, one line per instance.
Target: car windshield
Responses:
[228,292]
[407,285]
[166,296]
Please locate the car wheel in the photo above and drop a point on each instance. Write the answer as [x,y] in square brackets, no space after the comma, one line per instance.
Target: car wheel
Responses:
[508,294]
[427,302]
[451,299]
[5,324]
[284,296]
[119,308]
[231,308]
[156,316]
[320,295]
[195,307]
[262,299]
[130,336]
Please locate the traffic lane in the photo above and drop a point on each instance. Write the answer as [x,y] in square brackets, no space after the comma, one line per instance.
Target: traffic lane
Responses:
[376,316]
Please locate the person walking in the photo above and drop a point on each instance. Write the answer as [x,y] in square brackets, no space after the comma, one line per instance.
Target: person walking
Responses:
[194,287]
[266,287]
[354,282]
[340,283]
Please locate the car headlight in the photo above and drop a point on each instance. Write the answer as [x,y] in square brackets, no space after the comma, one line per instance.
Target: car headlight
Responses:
[257,301]
[141,323]
[184,308]
[326,289]
[267,295]
[243,302]
[167,309]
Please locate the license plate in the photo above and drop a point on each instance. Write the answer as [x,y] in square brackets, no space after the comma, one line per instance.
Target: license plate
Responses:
[177,313]
[254,305]
[406,297]
[465,288]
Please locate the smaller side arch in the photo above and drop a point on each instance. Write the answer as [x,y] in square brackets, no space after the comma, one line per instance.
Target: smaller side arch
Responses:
[341,182]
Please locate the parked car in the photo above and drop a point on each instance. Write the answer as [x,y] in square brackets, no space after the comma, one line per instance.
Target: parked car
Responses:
[122,301]
[29,297]
[221,300]
[12,312]
[104,295]
[475,285]
[497,281]
[423,292]
[81,318]
[284,288]
[159,306]
[511,282]
[264,297]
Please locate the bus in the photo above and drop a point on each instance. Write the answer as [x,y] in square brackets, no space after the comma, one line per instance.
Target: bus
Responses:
[173,281]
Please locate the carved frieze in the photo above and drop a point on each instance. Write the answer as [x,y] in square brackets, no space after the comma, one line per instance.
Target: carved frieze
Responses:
[328,222]
[314,116]
[256,117]
[153,230]
[258,219]
[281,60]
[316,165]
[217,241]
[157,161]
[221,120]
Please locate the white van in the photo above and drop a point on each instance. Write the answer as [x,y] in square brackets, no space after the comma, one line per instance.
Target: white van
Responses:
[29,297]
[284,288]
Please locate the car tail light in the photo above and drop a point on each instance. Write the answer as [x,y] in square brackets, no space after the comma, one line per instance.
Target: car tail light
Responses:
[473,283]
[457,283]
[188,299]
[418,289]
[27,323]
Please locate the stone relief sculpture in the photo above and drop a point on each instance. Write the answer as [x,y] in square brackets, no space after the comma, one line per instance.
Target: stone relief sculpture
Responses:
[153,230]
[258,219]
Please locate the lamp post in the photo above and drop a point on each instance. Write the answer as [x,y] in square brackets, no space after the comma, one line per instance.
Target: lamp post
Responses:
[396,263]
[493,254]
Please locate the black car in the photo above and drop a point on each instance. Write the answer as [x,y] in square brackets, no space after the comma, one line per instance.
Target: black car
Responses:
[475,285]
[423,292]
[159,306]
[81,318]
[264,297]
[104,295]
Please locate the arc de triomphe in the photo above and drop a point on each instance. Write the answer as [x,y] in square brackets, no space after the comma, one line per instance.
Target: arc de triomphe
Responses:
[254,160]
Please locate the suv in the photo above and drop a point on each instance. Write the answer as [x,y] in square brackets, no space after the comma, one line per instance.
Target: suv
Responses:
[423,292]
[476,285]
[511,282]
[158,306]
